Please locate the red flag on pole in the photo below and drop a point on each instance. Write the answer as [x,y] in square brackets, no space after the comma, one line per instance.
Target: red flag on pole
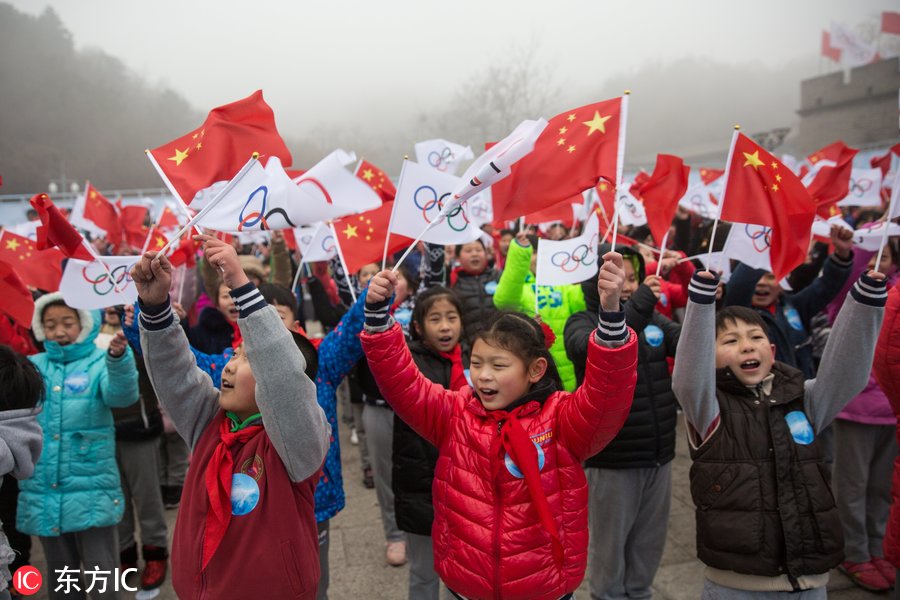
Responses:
[829,51]
[55,230]
[831,183]
[760,190]
[103,213]
[223,144]
[708,175]
[661,193]
[890,22]
[41,269]
[883,162]
[17,300]
[362,237]
[377,180]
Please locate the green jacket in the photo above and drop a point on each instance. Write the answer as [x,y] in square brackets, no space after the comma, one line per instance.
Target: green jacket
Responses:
[555,303]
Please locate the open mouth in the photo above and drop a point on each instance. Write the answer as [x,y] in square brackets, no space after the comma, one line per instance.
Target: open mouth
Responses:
[444,340]
[487,394]
[227,385]
[233,313]
[749,365]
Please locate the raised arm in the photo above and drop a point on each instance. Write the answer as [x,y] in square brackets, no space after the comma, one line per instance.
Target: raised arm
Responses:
[119,385]
[512,281]
[341,348]
[694,377]
[847,360]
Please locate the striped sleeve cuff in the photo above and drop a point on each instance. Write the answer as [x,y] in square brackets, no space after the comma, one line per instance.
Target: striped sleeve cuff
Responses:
[846,264]
[611,327]
[702,290]
[248,300]
[870,291]
[378,315]
[156,317]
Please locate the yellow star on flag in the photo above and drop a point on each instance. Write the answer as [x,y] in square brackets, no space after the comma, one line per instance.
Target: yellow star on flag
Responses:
[350,231]
[12,244]
[368,174]
[571,118]
[774,187]
[179,156]
[778,178]
[774,165]
[598,123]
[160,241]
[199,145]
[93,194]
[570,149]
[563,130]
[753,160]
[561,142]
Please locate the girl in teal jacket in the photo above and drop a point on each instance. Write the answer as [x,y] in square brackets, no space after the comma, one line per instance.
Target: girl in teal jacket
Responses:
[555,304]
[74,500]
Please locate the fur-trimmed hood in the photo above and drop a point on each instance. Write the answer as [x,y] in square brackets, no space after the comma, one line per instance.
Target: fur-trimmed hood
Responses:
[90,319]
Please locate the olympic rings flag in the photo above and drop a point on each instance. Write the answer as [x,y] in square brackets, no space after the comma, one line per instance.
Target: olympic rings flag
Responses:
[749,244]
[422,194]
[320,246]
[442,155]
[569,261]
[865,188]
[87,285]
[697,200]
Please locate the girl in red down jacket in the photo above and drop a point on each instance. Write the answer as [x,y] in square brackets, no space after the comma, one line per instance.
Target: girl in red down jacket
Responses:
[509,492]
[887,372]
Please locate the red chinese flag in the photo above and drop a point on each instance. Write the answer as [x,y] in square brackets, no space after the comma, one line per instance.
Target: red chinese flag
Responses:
[223,144]
[41,269]
[661,193]
[606,193]
[883,162]
[832,183]
[362,237]
[709,175]
[167,219]
[103,213]
[832,152]
[186,253]
[890,22]
[561,211]
[574,151]
[290,240]
[134,218]
[829,51]
[17,300]
[639,180]
[55,230]
[762,191]
[377,180]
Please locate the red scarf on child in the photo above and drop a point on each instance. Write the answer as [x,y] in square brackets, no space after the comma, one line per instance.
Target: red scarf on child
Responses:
[457,373]
[218,486]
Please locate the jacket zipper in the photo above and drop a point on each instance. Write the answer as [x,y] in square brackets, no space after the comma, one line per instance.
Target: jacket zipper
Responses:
[497,515]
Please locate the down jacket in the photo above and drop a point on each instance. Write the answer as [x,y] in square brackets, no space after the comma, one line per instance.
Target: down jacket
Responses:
[488,539]
[76,481]
[887,371]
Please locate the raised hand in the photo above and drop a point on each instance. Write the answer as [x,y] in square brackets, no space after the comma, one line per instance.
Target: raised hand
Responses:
[842,239]
[117,345]
[224,257]
[610,281]
[652,282]
[152,276]
[381,287]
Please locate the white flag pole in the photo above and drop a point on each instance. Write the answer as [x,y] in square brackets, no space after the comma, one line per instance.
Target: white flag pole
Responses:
[296,277]
[620,162]
[212,203]
[895,192]
[181,282]
[662,248]
[105,266]
[340,253]
[416,243]
[712,237]
[387,236]
[181,204]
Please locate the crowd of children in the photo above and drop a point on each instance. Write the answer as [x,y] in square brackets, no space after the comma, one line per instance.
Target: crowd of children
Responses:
[518,437]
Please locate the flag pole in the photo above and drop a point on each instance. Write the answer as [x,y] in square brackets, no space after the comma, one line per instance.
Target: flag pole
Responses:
[620,163]
[340,253]
[296,277]
[105,266]
[387,237]
[181,282]
[212,203]
[662,248]
[712,237]
[181,203]
[895,192]
[415,243]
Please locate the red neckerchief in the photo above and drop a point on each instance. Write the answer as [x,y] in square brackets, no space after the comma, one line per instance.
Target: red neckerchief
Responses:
[520,448]
[454,274]
[236,338]
[457,373]
[218,486]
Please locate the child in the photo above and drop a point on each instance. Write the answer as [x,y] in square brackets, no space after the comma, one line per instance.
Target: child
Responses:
[517,289]
[630,481]
[74,500]
[246,521]
[510,495]
[475,283]
[767,525]
[20,434]
[437,326]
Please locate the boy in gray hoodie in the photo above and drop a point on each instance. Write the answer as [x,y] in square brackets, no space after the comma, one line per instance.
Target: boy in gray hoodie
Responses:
[21,438]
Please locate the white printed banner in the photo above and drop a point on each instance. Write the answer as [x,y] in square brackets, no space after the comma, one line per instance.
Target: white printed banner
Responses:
[320,245]
[442,155]
[87,285]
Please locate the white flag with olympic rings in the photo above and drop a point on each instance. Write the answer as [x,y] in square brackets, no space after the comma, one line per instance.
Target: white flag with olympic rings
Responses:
[87,284]
[569,261]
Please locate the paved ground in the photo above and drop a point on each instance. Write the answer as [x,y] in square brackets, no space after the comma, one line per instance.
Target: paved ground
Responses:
[358,570]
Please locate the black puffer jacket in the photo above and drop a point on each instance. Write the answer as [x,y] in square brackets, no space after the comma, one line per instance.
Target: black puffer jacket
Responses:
[213,333]
[476,293]
[648,437]
[142,420]
[414,459]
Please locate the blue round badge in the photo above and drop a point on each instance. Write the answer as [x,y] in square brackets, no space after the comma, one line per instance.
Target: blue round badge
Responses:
[76,382]
[490,287]
[654,335]
[801,429]
[793,318]
[403,316]
[514,470]
[244,494]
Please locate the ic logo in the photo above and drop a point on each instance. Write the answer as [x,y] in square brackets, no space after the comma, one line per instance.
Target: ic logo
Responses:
[27,580]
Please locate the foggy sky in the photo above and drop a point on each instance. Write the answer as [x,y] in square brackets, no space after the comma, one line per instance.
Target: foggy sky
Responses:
[372,65]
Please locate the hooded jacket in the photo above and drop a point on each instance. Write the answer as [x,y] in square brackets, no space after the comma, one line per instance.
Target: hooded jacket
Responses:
[489,541]
[648,437]
[887,371]
[76,481]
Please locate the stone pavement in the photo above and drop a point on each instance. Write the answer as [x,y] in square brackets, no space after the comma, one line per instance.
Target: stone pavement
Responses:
[358,569]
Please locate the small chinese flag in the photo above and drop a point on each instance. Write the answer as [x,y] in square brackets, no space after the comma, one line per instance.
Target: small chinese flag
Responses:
[762,191]
[832,182]
[883,162]
[890,22]
[134,217]
[185,254]
[561,211]
[606,192]
[41,269]
[829,51]
[575,150]
[223,144]
[167,219]
[103,213]
[55,230]
[17,300]
[661,192]
[362,237]
[708,175]
[377,180]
